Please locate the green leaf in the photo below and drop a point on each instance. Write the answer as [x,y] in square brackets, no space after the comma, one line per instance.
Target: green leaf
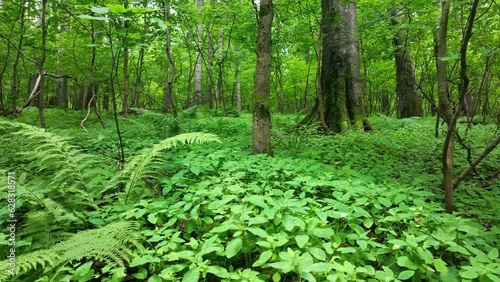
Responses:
[301,240]
[406,262]
[264,257]
[116,8]
[218,271]
[406,274]
[139,261]
[493,254]
[195,170]
[256,200]
[99,10]
[155,278]
[386,275]
[190,226]
[440,266]
[89,17]
[152,218]
[317,253]
[141,274]
[258,231]
[384,201]
[192,275]
[234,247]
[368,222]
[322,232]
[469,274]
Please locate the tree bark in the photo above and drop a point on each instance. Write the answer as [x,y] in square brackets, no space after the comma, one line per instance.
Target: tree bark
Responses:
[198,67]
[41,63]
[261,134]
[169,99]
[340,79]
[409,103]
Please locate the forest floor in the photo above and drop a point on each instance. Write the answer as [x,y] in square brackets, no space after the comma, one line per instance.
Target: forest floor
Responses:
[349,207]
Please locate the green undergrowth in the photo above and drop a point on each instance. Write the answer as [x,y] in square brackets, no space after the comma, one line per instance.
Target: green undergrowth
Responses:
[351,207]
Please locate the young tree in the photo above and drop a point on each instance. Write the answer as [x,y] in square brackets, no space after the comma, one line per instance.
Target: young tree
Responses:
[261,134]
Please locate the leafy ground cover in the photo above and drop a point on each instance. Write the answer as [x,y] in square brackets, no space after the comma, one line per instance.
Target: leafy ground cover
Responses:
[351,207]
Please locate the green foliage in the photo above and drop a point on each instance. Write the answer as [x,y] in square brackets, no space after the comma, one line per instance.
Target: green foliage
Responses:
[147,162]
[108,244]
[351,207]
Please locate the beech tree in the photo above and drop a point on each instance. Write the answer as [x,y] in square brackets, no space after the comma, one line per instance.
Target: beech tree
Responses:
[339,103]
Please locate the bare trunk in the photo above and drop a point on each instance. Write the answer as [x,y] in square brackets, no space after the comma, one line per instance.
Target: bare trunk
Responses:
[409,102]
[261,134]
[340,66]
[41,64]
[138,77]
[198,67]
[237,95]
[14,83]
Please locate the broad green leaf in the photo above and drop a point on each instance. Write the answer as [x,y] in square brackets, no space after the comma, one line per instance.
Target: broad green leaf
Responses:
[317,253]
[155,278]
[440,266]
[116,8]
[384,201]
[301,240]
[224,227]
[152,218]
[264,257]
[99,10]
[141,274]
[258,231]
[406,262]
[493,254]
[406,274]
[386,275]
[218,271]
[195,170]
[322,232]
[192,275]
[368,222]
[234,247]
[469,274]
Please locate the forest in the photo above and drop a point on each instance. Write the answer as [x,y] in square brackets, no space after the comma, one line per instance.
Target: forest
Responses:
[249,140]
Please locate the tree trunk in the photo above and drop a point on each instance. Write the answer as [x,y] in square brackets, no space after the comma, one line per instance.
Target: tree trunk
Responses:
[340,78]
[198,67]
[138,77]
[62,93]
[14,82]
[169,99]
[409,103]
[261,134]
[237,95]
[41,64]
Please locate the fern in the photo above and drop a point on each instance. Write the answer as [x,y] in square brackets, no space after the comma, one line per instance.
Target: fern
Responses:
[109,244]
[144,165]
[65,168]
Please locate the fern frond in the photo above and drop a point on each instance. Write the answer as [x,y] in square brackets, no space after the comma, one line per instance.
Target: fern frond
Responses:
[109,244]
[143,165]
[53,155]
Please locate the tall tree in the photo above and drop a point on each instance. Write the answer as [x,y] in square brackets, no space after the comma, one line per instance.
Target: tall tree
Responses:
[169,97]
[409,103]
[261,134]
[340,77]
[41,62]
[199,61]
